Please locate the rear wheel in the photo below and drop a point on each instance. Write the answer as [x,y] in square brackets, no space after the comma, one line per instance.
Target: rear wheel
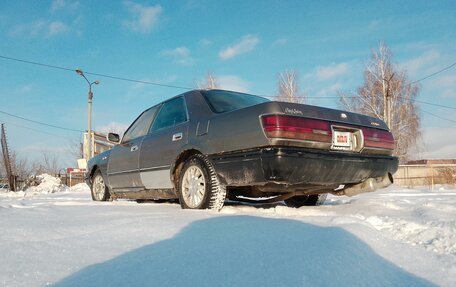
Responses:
[306,200]
[99,189]
[199,186]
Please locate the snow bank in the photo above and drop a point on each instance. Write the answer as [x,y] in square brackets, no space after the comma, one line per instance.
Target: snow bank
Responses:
[80,187]
[49,184]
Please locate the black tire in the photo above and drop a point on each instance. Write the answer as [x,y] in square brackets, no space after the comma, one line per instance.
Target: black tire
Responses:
[306,200]
[199,186]
[99,190]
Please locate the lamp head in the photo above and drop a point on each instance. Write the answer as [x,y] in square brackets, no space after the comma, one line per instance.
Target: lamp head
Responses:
[96,82]
[79,71]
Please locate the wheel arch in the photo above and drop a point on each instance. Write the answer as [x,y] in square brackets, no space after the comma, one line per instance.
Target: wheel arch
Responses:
[179,163]
[92,171]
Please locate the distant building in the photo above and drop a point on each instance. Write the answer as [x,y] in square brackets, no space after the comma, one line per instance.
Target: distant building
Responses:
[100,144]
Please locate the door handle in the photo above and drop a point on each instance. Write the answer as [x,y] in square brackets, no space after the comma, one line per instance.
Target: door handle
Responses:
[134,148]
[177,137]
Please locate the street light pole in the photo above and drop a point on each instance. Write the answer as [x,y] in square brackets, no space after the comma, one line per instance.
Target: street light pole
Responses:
[89,126]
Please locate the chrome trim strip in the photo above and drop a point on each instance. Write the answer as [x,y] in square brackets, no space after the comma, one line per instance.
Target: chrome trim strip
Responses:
[124,171]
[155,168]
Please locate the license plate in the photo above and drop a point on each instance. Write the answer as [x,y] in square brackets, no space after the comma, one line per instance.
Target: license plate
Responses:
[342,140]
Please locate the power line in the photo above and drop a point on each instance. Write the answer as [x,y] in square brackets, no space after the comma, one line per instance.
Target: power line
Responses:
[431,104]
[41,123]
[433,74]
[94,74]
[35,130]
[439,117]
[139,81]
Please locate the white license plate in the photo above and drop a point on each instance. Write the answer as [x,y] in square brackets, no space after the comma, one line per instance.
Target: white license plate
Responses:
[342,140]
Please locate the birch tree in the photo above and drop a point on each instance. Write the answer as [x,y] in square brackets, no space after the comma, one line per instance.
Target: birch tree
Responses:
[387,94]
[288,87]
[210,82]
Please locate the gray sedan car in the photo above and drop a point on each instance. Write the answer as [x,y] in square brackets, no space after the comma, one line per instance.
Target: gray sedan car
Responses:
[205,146]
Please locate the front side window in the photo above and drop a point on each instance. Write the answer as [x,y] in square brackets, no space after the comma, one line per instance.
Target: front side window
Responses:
[226,101]
[141,125]
[172,113]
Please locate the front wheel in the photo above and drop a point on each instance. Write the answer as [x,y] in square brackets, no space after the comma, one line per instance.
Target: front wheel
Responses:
[199,186]
[99,189]
[306,200]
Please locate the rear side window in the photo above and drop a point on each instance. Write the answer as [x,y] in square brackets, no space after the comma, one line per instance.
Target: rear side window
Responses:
[172,113]
[141,125]
[226,101]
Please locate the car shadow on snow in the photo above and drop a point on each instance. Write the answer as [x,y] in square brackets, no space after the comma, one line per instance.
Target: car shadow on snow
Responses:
[249,251]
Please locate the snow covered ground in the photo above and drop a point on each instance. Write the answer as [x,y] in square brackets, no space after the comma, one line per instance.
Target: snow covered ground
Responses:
[54,235]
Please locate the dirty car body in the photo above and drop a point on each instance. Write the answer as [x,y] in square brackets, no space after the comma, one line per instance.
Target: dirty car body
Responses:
[255,147]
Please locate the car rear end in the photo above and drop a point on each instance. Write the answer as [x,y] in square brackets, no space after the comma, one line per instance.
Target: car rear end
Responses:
[320,146]
[277,147]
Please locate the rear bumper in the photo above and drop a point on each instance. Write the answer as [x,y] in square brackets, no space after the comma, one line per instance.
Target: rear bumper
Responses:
[291,166]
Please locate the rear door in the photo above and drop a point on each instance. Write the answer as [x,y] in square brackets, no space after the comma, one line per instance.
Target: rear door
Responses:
[123,165]
[167,136]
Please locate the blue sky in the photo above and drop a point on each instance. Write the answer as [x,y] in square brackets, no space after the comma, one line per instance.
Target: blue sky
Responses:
[244,43]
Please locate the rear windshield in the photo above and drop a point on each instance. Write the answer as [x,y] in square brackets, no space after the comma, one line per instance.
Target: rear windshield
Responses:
[226,101]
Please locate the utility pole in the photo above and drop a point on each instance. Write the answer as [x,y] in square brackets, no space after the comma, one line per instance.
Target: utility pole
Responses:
[385,100]
[89,112]
[387,106]
[7,161]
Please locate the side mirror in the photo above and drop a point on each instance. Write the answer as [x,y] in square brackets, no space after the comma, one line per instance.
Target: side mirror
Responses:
[112,137]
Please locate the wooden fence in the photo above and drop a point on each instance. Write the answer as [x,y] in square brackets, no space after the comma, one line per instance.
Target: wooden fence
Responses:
[425,175]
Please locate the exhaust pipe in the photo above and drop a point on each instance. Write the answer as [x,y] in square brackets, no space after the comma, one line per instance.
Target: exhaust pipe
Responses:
[370,185]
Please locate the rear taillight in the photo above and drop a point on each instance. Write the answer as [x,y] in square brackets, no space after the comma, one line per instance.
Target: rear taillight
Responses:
[280,126]
[299,128]
[378,139]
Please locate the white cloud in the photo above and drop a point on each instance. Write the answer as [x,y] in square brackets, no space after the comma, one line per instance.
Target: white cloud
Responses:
[325,73]
[180,56]
[178,52]
[56,28]
[233,83]
[245,45]
[40,28]
[326,81]
[421,65]
[330,91]
[145,18]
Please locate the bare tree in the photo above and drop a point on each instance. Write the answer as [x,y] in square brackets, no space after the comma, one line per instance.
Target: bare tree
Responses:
[209,82]
[288,87]
[48,164]
[74,148]
[387,95]
[19,166]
